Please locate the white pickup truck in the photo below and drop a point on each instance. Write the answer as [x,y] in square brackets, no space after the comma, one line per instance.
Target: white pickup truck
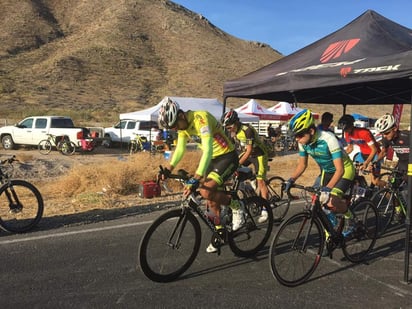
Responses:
[31,130]
[126,129]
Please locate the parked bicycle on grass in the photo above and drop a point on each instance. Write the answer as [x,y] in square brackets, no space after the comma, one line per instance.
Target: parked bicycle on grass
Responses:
[21,204]
[172,242]
[61,143]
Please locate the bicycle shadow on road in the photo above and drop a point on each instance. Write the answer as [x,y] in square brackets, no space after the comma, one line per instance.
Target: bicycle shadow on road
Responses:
[97,215]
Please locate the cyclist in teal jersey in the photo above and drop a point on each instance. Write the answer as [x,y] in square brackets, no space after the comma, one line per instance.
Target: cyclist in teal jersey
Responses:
[337,169]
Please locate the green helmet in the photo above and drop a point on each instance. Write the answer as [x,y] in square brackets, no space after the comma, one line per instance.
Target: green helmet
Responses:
[301,121]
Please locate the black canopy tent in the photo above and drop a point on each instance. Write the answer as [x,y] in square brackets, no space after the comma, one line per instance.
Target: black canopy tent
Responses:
[368,61]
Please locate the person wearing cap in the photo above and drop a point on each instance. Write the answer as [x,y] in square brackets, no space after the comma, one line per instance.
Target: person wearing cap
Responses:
[369,148]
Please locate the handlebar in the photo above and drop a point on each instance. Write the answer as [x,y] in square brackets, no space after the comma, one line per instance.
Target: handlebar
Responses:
[181,174]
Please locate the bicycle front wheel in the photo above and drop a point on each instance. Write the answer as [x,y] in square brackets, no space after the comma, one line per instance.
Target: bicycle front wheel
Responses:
[296,249]
[44,146]
[21,206]
[384,201]
[170,245]
[253,235]
[361,237]
[67,148]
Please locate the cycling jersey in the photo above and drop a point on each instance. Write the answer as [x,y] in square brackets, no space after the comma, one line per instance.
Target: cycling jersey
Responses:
[400,145]
[363,138]
[213,140]
[247,135]
[324,150]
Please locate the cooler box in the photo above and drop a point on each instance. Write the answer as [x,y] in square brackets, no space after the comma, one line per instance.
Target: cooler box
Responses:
[149,189]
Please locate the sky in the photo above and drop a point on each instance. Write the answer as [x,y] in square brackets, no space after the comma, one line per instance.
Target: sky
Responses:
[290,25]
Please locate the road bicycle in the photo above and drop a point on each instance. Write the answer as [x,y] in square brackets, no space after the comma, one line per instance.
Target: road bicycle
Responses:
[278,202]
[21,204]
[389,197]
[62,144]
[171,243]
[138,143]
[298,245]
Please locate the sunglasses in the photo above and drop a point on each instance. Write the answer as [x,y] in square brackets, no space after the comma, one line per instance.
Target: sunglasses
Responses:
[387,132]
[301,134]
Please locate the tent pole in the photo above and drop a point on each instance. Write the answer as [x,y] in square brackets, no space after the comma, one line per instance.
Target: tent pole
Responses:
[224,105]
[408,207]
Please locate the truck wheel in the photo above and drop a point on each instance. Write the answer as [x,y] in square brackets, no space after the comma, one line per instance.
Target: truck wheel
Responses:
[7,142]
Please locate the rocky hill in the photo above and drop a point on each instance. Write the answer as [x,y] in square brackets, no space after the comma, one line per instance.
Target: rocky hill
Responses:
[91,59]
[107,56]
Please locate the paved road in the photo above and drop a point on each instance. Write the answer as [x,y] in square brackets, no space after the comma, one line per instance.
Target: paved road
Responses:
[95,266]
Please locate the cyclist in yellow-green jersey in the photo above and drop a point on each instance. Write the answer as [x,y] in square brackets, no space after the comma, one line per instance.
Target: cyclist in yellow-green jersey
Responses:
[218,161]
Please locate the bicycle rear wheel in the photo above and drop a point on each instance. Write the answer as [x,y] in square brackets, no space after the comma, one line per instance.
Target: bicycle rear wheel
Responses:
[364,229]
[44,146]
[252,236]
[66,148]
[170,245]
[384,201]
[21,206]
[296,249]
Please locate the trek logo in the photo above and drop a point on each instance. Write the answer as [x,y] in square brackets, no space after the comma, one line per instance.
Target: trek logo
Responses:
[335,50]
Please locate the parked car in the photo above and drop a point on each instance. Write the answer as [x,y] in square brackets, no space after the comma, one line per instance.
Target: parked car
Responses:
[31,130]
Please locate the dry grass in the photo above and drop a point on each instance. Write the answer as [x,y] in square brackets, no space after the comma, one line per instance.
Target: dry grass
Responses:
[114,183]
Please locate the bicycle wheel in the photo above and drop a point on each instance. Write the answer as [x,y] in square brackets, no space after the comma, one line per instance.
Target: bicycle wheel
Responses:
[252,236]
[296,249]
[170,245]
[44,146]
[66,148]
[364,229]
[384,201]
[21,206]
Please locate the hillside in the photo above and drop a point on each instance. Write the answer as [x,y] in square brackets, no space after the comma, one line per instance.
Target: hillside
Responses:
[91,59]
[109,56]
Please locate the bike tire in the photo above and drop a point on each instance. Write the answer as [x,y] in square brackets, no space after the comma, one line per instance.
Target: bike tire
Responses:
[279,205]
[296,249]
[360,242]
[160,257]
[44,147]
[252,236]
[384,200]
[66,148]
[21,206]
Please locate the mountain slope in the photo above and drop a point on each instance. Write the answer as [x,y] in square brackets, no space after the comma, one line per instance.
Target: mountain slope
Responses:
[114,55]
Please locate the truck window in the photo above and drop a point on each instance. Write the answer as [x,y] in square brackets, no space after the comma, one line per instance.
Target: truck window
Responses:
[131,125]
[61,123]
[40,123]
[28,123]
[148,125]
[120,125]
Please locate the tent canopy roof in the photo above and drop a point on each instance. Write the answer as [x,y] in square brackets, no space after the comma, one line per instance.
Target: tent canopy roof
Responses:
[214,106]
[368,61]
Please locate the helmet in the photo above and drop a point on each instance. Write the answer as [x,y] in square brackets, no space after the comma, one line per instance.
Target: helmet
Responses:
[385,123]
[229,118]
[346,121]
[301,121]
[168,114]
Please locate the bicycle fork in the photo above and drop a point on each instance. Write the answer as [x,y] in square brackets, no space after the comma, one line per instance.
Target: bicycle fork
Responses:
[14,202]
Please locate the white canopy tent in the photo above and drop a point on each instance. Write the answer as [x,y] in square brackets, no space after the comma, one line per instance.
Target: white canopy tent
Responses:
[252,107]
[213,106]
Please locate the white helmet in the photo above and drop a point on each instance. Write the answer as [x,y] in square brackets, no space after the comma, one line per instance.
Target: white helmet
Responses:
[385,123]
[168,114]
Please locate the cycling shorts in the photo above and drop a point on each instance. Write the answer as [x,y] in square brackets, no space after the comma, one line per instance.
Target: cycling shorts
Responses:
[222,167]
[343,184]
[260,164]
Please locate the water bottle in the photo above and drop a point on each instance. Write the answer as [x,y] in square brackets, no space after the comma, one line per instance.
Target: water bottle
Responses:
[331,216]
